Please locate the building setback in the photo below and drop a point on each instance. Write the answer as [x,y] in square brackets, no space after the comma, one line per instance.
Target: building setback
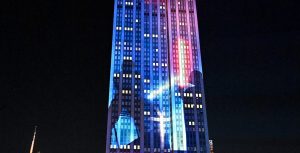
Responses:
[156,98]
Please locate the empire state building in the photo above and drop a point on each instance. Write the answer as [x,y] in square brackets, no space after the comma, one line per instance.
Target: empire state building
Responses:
[156,99]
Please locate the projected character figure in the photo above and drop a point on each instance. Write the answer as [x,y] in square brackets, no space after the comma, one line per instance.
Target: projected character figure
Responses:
[192,101]
[124,125]
[126,109]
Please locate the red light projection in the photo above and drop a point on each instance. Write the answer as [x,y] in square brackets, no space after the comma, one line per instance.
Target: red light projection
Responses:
[183,64]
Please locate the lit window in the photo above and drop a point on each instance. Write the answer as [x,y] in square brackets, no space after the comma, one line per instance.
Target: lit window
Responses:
[199,106]
[198,95]
[146,113]
[137,48]
[154,35]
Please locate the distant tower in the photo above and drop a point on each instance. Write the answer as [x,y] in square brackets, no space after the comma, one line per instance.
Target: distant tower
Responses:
[33,140]
[211,146]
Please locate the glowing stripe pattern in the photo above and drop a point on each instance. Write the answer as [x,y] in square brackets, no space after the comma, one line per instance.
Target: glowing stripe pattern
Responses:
[184,66]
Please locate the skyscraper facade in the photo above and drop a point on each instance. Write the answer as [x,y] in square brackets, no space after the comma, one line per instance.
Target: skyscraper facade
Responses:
[156,99]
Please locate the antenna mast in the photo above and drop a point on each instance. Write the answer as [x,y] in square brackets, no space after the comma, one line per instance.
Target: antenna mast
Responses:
[32,144]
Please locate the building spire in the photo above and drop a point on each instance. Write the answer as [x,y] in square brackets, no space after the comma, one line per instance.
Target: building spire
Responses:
[32,144]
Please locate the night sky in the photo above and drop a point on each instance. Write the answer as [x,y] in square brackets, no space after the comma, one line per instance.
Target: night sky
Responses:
[55,60]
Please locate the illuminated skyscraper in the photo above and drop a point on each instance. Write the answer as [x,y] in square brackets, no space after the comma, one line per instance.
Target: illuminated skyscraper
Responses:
[156,99]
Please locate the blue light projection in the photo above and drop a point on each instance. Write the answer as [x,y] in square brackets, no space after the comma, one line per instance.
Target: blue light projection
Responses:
[156,99]
[124,132]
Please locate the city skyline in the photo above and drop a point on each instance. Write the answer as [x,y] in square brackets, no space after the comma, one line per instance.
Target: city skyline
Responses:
[55,66]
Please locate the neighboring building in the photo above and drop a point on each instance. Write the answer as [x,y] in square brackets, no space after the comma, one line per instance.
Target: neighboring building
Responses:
[211,144]
[156,99]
